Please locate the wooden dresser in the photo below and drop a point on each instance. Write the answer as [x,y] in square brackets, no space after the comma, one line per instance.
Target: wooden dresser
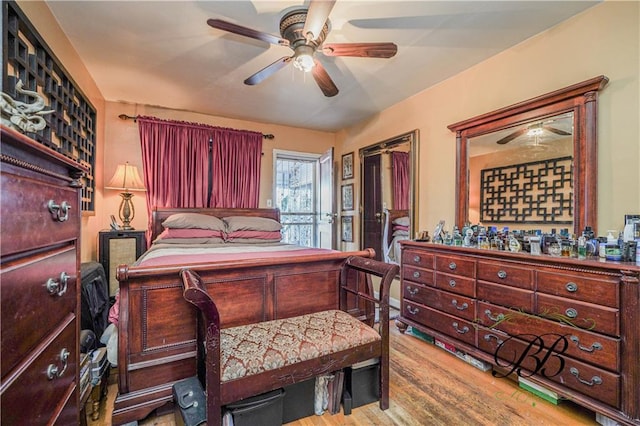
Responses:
[40,296]
[570,325]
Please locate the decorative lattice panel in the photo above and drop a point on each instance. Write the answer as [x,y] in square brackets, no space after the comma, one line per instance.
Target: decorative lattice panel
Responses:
[535,192]
[71,127]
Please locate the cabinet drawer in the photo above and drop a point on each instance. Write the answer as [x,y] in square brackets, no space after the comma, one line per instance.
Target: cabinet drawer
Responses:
[579,314]
[422,276]
[453,326]
[511,297]
[27,221]
[23,396]
[456,284]
[505,274]
[455,304]
[417,258]
[24,286]
[455,265]
[596,349]
[601,290]
[527,351]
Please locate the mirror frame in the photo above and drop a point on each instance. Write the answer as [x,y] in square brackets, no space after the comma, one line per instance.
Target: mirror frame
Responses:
[581,98]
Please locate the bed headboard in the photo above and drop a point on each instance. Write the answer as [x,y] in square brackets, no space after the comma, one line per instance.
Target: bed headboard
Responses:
[160,214]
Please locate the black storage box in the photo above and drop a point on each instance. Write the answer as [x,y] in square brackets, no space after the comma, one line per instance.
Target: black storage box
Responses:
[299,400]
[263,410]
[190,407]
[362,383]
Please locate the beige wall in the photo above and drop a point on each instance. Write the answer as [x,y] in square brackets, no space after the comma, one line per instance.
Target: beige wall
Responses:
[603,40]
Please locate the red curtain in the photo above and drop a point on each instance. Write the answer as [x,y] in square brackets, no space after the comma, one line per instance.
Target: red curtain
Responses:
[177,164]
[400,166]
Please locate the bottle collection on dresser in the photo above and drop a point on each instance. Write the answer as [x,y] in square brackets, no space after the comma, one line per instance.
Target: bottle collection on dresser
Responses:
[538,307]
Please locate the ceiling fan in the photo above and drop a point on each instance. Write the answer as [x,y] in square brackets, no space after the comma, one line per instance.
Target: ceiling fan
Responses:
[533,130]
[304,31]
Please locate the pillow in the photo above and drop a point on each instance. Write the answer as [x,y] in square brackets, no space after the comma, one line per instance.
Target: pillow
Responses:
[251,241]
[189,241]
[400,228]
[193,220]
[401,233]
[248,223]
[274,236]
[190,233]
[404,221]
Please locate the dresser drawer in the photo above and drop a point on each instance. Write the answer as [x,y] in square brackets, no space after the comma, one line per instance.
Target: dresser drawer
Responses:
[24,287]
[27,221]
[454,304]
[596,349]
[456,265]
[456,284]
[579,314]
[505,274]
[600,290]
[510,297]
[417,258]
[526,352]
[418,275]
[453,326]
[23,396]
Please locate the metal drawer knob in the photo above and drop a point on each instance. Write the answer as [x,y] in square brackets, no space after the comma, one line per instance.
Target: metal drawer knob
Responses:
[412,291]
[571,313]
[416,259]
[502,274]
[54,371]
[462,307]
[452,283]
[58,288]
[462,330]
[595,346]
[571,287]
[453,266]
[60,212]
[595,380]
[416,274]
[412,310]
[488,338]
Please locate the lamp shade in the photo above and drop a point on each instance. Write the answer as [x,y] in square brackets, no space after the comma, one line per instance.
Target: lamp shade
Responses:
[126,178]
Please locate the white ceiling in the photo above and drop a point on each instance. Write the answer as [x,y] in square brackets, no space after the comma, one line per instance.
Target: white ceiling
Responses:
[163,53]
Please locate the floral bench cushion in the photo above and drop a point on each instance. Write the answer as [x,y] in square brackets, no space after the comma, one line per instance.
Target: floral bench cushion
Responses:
[255,348]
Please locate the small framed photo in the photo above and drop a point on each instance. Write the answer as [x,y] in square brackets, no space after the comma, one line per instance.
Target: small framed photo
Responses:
[347,229]
[347,166]
[347,197]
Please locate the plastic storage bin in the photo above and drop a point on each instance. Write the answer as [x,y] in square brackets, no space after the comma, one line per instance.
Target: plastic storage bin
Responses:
[298,400]
[362,384]
[263,410]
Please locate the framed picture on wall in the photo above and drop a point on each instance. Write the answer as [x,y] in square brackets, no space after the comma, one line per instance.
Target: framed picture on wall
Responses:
[347,166]
[347,197]
[347,229]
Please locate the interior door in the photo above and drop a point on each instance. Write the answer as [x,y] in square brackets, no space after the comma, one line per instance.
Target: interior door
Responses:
[326,201]
[372,204]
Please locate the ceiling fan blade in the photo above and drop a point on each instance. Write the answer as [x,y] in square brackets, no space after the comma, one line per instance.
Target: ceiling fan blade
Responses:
[365,50]
[317,15]
[512,136]
[325,83]
[556,131]
[268,71]
[247,32]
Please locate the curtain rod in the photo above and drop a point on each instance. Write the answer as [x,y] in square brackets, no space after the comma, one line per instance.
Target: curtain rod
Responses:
[135,119]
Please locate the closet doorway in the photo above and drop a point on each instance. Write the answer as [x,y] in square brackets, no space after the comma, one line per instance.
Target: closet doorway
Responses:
[303,191]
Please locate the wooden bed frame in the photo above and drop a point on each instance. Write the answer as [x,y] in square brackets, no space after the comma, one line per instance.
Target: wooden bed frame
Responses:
[157,328]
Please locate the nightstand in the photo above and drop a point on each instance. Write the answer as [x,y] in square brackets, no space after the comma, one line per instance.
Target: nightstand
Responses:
[117,248]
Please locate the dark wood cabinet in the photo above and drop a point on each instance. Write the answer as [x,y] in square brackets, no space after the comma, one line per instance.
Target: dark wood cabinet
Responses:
[570,325]
[40,283]
[119,248]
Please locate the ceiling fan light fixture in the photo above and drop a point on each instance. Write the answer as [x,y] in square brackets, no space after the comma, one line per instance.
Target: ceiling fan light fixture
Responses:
[536,131]
[303,59]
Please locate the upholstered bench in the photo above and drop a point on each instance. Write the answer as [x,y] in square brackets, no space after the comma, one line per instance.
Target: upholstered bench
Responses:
[247,360]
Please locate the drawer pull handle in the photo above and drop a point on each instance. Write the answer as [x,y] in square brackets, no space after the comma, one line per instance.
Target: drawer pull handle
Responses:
[412,291]
[502,274]
[416,274]
[595,346]
[452,283]
[58,288]
[412,310]
[416,259]
[500,317]
[453,266]
[54,371]
[571,287]
[462,330]
[462,307]
[60,212]
[595,380]
[488,338]
[571,313]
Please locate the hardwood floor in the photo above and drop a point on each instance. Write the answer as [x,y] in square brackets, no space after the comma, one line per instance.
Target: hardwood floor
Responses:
[429,386]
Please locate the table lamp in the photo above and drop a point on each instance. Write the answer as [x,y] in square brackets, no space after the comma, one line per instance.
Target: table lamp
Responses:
[127,179]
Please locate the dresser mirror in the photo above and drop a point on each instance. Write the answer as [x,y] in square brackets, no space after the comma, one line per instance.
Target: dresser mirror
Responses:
[532,165]
[388,181]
